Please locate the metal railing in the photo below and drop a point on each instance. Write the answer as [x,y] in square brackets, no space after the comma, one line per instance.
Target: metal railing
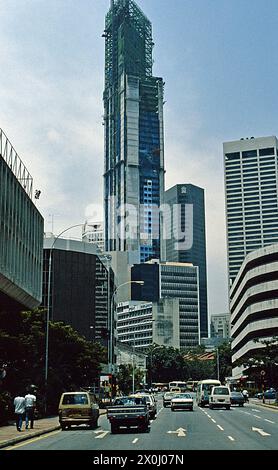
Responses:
[10,156]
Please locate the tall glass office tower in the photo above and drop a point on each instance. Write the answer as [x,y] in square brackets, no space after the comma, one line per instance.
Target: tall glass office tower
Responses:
[180,196]
[134,142]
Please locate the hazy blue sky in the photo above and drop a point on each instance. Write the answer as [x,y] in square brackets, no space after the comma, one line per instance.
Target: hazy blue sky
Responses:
[218,59]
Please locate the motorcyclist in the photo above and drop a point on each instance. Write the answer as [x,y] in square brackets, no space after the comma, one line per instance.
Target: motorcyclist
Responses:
[246,396]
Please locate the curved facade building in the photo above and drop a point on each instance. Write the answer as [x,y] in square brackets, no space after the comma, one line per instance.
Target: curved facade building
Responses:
[254,303]
[21,233]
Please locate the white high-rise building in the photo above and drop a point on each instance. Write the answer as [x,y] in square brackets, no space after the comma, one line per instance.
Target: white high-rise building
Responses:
[220,325]
[251,186]
[92,232]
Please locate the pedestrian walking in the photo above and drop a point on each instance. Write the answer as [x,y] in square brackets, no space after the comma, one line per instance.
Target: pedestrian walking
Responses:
[30,404]
[19,409]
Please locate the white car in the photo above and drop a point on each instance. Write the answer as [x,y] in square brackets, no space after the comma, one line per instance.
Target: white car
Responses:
[220,397]
[151,402]
[182,401]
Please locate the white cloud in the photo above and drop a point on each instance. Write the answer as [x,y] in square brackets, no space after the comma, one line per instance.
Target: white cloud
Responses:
[51,83]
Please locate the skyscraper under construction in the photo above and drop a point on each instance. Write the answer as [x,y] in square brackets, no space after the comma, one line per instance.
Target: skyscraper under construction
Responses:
[134,141]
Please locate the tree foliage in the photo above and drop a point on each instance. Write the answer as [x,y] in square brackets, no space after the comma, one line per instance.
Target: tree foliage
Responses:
[167,364]
[263,359]
[225,360]
[73,362]
[125,378]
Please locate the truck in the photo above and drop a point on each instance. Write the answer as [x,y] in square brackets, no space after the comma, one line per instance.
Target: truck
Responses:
[129,412]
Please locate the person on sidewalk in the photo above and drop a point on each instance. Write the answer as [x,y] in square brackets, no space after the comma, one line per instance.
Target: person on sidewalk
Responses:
[30,403]
[19,409]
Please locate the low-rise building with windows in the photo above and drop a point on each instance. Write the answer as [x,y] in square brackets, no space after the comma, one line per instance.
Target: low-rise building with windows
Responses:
[142,324]
[172,280]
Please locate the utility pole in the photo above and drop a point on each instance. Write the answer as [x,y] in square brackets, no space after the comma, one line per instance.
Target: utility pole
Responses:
[217,359]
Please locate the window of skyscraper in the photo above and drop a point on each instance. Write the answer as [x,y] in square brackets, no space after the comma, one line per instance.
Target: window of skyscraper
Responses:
[232,156]
[249,153]
[266,151]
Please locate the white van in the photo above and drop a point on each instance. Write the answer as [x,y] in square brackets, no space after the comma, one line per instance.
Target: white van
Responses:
[204,388]
[220,397]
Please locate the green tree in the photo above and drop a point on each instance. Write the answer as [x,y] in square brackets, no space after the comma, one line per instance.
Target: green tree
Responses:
[262,359]
[225,360]
[166,364]
[125,378]
[73,361]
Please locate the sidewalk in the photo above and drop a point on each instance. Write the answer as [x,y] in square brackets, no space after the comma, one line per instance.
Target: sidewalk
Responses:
[268,403]
[10,436]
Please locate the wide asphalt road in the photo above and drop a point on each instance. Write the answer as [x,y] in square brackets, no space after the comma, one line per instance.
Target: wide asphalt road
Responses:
[248,428]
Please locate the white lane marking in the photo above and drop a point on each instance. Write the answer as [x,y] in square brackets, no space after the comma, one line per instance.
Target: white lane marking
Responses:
[258,411]
[246,412]
[135,440]
[213,420]
[259,417]
[231,438]
[268,420]
[220,427]
[101,436]
[260,431]
[181,432]
[209,416]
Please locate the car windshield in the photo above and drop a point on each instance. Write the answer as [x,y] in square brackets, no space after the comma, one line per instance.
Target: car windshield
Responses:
[148,398]
[207,387]
[75,399]
[169,394]
[183,395]
[221,391]
[126,401]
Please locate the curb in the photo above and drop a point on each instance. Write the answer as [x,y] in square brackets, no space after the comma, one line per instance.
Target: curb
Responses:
[264,405]
[14,441]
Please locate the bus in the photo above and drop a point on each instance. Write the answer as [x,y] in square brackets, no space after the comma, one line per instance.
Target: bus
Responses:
[191,385]
[177,384]
[204,390]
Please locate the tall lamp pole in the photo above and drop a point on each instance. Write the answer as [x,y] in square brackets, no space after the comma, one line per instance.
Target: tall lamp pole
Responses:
[133,350]
[217,361]
[48,310]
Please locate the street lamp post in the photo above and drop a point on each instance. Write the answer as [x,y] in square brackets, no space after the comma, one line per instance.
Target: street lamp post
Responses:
[133,365]
[217,361]
[111,325]
[133,349]
[48,310]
